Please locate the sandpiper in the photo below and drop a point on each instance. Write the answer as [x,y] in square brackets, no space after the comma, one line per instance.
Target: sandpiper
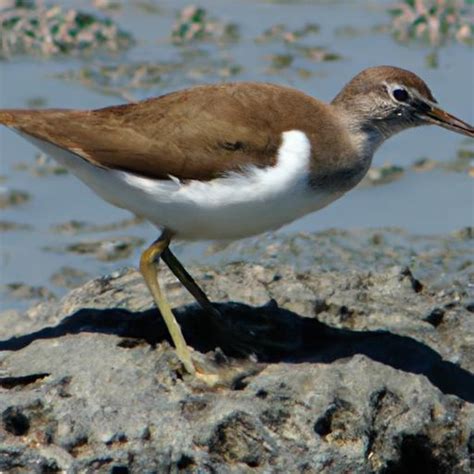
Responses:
[227,161]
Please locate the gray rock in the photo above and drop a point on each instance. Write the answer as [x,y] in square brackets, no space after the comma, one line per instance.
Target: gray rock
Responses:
[350,372]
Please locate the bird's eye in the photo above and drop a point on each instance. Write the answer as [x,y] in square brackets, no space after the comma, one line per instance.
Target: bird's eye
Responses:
[401,95]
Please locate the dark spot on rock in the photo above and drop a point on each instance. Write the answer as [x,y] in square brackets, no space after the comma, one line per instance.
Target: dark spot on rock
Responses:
[323,424]
[382,400]
[130,343]
[274,417]
[11,382]
[435,318]
[451,305]
[301,276]
[240,383]
[345,313]
[95,464]
[49,433]
[75,447]
[238,439]
[15,422]
[306,467]
[415,455]
[320,306]
[385,406]
[119,470]
[146,434]
[219,357]
[262,394]
[117,438]
[470,444]
[338,417]
[63,386]
[185,462]
[277,277]
[191,406]
[470,307]
[415,284]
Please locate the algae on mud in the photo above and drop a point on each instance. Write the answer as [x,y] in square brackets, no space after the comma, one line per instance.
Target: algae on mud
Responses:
[31,28]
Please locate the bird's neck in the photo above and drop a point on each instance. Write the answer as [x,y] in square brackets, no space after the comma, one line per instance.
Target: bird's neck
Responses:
[365,136]
[367,133]
[367,130]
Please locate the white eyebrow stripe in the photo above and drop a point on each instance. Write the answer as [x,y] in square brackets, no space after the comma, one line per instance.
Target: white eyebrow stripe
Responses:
[391,86]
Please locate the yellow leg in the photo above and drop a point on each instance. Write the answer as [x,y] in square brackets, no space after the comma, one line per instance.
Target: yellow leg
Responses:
[148,268]
[188,282]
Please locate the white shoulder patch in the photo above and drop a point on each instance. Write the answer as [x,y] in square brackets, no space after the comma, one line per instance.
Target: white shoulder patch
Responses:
[295,150]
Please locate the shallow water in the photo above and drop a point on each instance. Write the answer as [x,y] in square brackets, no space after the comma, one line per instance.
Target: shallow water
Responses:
[429,202]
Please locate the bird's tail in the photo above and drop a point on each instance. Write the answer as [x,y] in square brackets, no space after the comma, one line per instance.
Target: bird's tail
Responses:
[9,117]
[22,117]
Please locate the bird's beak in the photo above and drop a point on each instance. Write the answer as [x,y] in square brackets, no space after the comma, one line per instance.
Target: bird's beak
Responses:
[437,116]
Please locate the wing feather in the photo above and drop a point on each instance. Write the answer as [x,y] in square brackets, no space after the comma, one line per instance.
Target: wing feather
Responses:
[197,133]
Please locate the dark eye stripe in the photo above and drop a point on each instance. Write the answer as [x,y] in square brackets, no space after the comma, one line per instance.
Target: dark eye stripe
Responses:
[401,95]
[421,106]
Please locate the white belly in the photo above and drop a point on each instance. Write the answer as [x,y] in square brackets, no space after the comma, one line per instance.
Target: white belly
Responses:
[235,206]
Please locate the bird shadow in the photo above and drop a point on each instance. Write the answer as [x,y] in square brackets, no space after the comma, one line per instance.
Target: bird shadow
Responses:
[272,333]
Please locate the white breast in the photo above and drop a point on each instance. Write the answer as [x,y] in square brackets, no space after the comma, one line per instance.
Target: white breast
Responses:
[231,207]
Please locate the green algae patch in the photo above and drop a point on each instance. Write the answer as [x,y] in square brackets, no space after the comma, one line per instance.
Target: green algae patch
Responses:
[433,22]
[30,28]
[193,24]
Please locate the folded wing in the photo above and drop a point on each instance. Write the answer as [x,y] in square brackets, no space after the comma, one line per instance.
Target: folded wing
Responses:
[197,133]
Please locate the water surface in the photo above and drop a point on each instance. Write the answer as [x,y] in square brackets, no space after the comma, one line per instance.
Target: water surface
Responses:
[420,202]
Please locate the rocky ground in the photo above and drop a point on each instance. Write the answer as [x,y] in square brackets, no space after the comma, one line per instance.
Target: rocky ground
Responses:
[348,370]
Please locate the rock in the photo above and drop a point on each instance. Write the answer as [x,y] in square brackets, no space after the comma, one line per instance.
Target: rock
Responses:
[352,371]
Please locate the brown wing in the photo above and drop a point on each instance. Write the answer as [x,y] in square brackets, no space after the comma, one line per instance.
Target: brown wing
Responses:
[197,133]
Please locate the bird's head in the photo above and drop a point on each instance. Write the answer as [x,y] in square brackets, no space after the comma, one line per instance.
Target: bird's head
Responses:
[387,100]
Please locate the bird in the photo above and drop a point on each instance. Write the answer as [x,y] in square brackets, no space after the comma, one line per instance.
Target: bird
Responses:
[229,160]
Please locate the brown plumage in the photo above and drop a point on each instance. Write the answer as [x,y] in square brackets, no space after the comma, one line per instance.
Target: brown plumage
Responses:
[197,133]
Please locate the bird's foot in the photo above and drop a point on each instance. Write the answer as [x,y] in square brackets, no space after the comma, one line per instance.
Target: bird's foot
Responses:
[216,370]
